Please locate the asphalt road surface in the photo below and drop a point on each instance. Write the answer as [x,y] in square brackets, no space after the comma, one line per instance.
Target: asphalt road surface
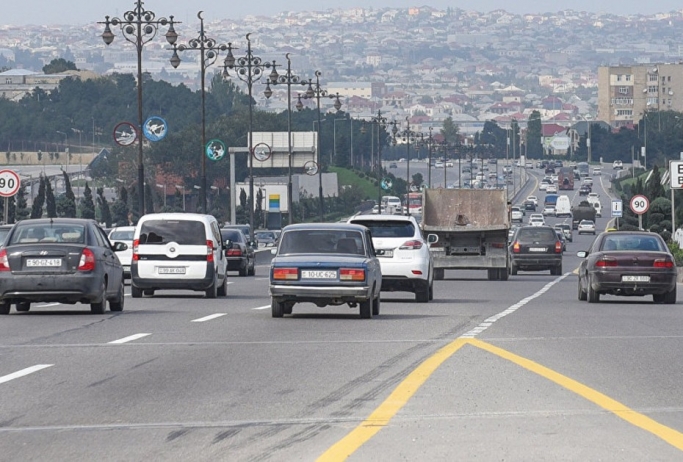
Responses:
[489,370]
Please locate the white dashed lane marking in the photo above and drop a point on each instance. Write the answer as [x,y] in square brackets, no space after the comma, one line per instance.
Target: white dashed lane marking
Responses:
[209,318]
[129,338]
[23,372]
[264,307]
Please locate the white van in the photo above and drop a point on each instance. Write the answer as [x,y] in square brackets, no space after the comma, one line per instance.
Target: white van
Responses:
[178,251]
[563,207]
[392,205]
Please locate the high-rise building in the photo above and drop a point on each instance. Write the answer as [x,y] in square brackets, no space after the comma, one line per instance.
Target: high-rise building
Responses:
[625,93]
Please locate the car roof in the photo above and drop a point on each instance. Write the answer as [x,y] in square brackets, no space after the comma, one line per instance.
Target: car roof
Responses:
[59,221]
[382,218]
[325,226]
[122,228]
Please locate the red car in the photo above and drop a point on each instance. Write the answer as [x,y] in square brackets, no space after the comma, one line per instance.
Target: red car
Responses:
[628,263]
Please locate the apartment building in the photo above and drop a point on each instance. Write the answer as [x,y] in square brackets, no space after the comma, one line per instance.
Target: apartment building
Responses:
[625,93]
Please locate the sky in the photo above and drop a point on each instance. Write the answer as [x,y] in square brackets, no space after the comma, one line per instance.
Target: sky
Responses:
[77,12]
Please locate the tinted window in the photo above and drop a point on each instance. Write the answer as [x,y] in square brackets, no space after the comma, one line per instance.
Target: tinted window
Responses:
[388,228]
[536,234]
[3,234]
[45,232]
[632,242]
[232,235]
[184,232]
[121,235]
[314,241]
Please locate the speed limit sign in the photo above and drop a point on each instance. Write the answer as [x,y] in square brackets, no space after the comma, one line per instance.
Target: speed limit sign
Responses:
[639,204]
[9,183]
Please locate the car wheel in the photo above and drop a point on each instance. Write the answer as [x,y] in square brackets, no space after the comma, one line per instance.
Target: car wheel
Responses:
[366,309]
[135,292]
[100,306]
[23,306]
[223,289]
[582,293]
[117,304]
[665,298]
[513,269]
[148,292]
[212,291]
[431,291]
[277,308]
[422,293]
[288,307]
[375,306]
[244,271]
[252,270]
[439,274]
[5,307]
[503,274]
[592,296]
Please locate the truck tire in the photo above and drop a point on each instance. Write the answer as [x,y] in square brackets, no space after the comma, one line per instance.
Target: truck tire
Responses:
[439,274]
[513,269]
[492,274]
[503,274]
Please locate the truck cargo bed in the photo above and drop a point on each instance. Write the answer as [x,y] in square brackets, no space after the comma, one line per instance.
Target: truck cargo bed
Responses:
[456,210]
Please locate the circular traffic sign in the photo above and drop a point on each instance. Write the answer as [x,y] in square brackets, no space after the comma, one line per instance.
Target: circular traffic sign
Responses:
[9,183]
[155,128]
[639,204]
[387,183]
[262,152]
[311,167]
[215,149]
[125,134]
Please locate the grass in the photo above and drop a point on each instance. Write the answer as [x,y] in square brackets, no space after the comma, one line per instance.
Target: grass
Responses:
[349,177]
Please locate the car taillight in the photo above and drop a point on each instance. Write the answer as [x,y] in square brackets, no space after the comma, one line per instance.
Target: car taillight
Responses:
[659,263]
[286,273]
[87,261]
[516,248]
[558,247]
[136,243]
[348,274]
[411,245]
[209,250]
[4,261]
[234,252]
[605,262]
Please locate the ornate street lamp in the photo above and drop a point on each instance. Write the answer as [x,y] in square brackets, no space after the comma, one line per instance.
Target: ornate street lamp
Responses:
[429,142]
[288,79]
[381,123]
[407,136]
[208,52]
[249,69]
[139,26]
[316,91]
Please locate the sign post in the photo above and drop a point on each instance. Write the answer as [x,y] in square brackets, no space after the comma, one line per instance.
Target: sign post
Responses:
[617,210]
[9,186]
[639,205]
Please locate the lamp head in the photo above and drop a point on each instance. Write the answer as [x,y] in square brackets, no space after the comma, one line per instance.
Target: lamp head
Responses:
[171,34]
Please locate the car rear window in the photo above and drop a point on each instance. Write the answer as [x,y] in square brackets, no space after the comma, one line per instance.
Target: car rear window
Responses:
[47,232]
[536,234]
[632,243]
[313,241]
[233,235]
[121,235]
[388,228]
[183,232]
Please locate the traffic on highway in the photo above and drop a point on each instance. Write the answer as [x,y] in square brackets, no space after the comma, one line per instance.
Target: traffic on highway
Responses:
[464,332]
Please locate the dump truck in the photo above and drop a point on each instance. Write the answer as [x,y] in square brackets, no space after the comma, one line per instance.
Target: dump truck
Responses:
[583,211]
[469,229]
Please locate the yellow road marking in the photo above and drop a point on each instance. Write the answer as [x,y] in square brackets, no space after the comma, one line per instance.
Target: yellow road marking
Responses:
[388,409]
[671,436]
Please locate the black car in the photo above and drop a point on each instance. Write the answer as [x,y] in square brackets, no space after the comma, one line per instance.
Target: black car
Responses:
[536,248]
[240,256]
[529,206]
[64,260]
[585,190]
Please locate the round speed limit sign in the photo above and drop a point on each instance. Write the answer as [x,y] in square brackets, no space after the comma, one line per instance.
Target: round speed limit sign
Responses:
[9,183]
[639,204]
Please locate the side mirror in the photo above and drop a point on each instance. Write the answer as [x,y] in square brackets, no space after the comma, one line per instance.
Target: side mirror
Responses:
[582,254]
[253,244]
[432,238]
[120,246]
[273,251]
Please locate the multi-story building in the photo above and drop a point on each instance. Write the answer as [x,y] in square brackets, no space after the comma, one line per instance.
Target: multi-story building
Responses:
[625,93]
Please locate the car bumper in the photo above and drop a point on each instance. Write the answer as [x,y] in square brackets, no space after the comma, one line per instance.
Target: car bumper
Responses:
[315,293]
[610,282]
[63,288]
[236,264]
[173,281]
[536,262]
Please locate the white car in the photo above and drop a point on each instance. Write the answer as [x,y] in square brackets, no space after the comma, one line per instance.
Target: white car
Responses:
[516,214]
[549,210]
[449,163]
[543,186]
[124,234]
[586,227]
[551,189]
[439,164]
[533,199]
[597,171]
[592,197]
[403,254]
[536,219]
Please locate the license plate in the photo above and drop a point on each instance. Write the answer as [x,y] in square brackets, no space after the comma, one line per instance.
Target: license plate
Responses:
[385,253]
[308,274]
[173,270]
[537,249]
[42,262]
[635,279]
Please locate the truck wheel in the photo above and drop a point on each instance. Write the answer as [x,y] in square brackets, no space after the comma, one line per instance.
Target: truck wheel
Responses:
[503,274]
[513,269]
[439,274]
[492,274]
[5,307]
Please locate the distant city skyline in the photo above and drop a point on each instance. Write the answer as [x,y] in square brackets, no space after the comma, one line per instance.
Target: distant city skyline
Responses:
[77,12]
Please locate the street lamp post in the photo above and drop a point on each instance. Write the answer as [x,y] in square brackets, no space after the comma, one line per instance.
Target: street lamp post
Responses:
[249,69]
[429,142]
[208,54]
[381,123]
[407,135]
[316,91]
[139,26]
[288,79]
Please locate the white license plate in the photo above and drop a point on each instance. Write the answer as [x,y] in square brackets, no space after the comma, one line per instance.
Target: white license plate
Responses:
[385,253]
[309,274]
[635,279]
[173,270]
[42,262]
[537,249]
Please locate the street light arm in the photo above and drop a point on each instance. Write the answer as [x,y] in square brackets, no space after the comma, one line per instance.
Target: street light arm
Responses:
[139,26]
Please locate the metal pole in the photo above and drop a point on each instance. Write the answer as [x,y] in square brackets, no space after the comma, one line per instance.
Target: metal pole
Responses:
[320,156]
[351,150]
[290,188]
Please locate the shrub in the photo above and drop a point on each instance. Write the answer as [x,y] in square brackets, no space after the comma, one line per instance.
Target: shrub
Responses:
[677,252]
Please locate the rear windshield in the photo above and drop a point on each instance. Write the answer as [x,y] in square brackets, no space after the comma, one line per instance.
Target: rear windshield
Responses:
[233,235]
[121,235]
[312,241]
[3,234]
[616,242]
[46,232]
[183,232]
[388,228]
[536,234]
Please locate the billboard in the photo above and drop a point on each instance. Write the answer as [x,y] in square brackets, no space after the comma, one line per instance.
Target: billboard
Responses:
[304,146]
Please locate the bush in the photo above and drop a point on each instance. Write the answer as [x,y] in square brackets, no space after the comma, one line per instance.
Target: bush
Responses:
[361,175]
[677,252]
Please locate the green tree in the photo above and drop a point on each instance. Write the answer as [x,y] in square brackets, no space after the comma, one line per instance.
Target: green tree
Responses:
[87,205]
[21,211]
[11,209]
[103,206]
[534,144]
[451,132]
[59,65]
[418,179]
[50,204]
[39,200]
[66,205]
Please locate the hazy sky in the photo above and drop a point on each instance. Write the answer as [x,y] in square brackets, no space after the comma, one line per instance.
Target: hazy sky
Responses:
[87,11]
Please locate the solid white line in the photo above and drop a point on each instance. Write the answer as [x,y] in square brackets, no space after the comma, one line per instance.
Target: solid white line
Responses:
[23,372]
[129,339]
[264,307]
[47,304]
[209,318]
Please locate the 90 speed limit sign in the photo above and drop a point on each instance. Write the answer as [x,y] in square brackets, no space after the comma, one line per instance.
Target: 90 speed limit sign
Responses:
[639,204]
[9,183]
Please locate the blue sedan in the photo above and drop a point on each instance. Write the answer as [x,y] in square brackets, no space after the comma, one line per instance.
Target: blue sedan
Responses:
[326,264]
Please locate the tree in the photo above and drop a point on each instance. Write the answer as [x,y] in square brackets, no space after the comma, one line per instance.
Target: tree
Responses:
[59,65]
[418,179]
[21,211]
[39,200]
[534,145]
[50,204]
[451,132]
[66,205]
[11,209]
[119,209]
[103,206]
[87,206]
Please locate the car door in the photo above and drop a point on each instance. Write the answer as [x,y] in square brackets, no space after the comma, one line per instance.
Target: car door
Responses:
[112,265]
[373,263]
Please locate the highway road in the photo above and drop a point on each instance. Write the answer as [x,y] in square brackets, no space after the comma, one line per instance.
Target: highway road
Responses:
[489,370]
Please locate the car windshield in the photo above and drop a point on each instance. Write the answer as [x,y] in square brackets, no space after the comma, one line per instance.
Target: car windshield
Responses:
[48,232]
[120,235]
[162,232]
[536,234]
[388,228]
[616,242]
[327,241]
